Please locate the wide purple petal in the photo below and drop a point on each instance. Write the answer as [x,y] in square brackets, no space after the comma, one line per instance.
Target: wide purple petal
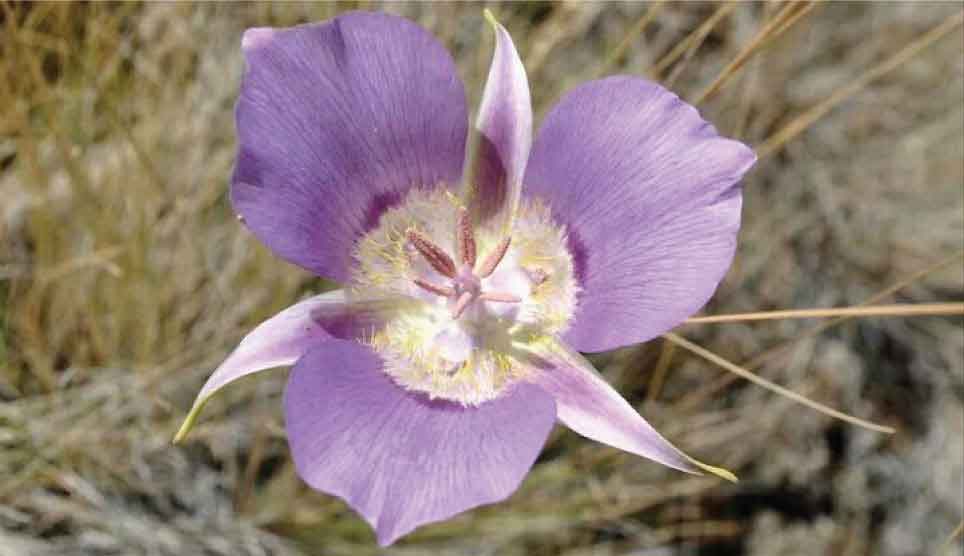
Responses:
[336,122]
[397,458]
[587,404]
[504,127]
[649,195]
[285,337]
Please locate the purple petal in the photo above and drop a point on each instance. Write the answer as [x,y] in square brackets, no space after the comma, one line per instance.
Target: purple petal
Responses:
[336,122]
[285,337]
[591,407]
[504,130]
[649,194]
[397,458]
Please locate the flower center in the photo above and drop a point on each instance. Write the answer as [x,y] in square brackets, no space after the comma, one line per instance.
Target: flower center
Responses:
[458,318]
[466,285]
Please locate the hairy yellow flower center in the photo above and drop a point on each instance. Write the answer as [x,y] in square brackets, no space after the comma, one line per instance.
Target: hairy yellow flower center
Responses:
[468,299]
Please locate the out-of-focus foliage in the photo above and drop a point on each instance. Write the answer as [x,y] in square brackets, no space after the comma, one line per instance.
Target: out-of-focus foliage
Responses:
[124,279]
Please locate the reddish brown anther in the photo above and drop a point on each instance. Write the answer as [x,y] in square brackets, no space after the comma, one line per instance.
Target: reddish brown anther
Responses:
[492,260]
[465,237]
[466,284]
[433,288]
[439,259]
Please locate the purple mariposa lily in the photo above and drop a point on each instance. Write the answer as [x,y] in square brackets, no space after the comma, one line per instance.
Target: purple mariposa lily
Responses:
[429,383]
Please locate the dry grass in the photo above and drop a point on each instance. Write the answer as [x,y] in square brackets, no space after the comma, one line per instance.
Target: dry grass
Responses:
[124,279]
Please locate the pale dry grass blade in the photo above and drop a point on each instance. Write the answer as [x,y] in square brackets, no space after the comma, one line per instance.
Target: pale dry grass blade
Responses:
[102,258]
[631,36]
[956,534]
[905,310]
[799,124]
[792,19]
[688,46]
[561,26]
[700,396]
[785,18]
[660,371]
[759,381]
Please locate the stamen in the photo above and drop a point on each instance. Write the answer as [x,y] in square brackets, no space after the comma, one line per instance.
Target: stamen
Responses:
[465,237]
[464,300]
[434,254]
[500,297]
[432,288]
[493,259]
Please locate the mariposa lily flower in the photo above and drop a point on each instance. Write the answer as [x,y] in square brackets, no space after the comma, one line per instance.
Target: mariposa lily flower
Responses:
[473,278]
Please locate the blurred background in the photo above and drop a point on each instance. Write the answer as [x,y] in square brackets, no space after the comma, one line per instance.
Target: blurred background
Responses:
[125,279]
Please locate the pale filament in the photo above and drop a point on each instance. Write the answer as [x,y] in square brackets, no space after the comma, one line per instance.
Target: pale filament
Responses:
[499,297]
[462,304]
[464,286]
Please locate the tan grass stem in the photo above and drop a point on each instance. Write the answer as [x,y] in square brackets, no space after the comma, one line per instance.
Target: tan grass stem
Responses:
[807,118]
[658,375]
[766,356]
[773,387]
[692,41]
[627,41]
[784,19]
[904,310]
[955,534]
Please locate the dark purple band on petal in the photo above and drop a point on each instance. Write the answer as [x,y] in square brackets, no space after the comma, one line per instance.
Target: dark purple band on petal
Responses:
[649,195]
[336,122]
[398,458]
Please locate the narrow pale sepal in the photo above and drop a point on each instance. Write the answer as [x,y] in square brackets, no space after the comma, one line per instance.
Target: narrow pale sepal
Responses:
[284,338]
[502,136]
[591,407]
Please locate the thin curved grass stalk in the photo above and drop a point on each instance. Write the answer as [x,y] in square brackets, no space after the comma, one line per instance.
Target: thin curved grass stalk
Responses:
[658,376]
[701,395]
[799,124]
[630,37]
[905,310]
[785,19]
[688,46]
[773,387]
[955,534]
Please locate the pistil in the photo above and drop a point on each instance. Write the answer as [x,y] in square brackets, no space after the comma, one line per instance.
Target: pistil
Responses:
[465,285]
